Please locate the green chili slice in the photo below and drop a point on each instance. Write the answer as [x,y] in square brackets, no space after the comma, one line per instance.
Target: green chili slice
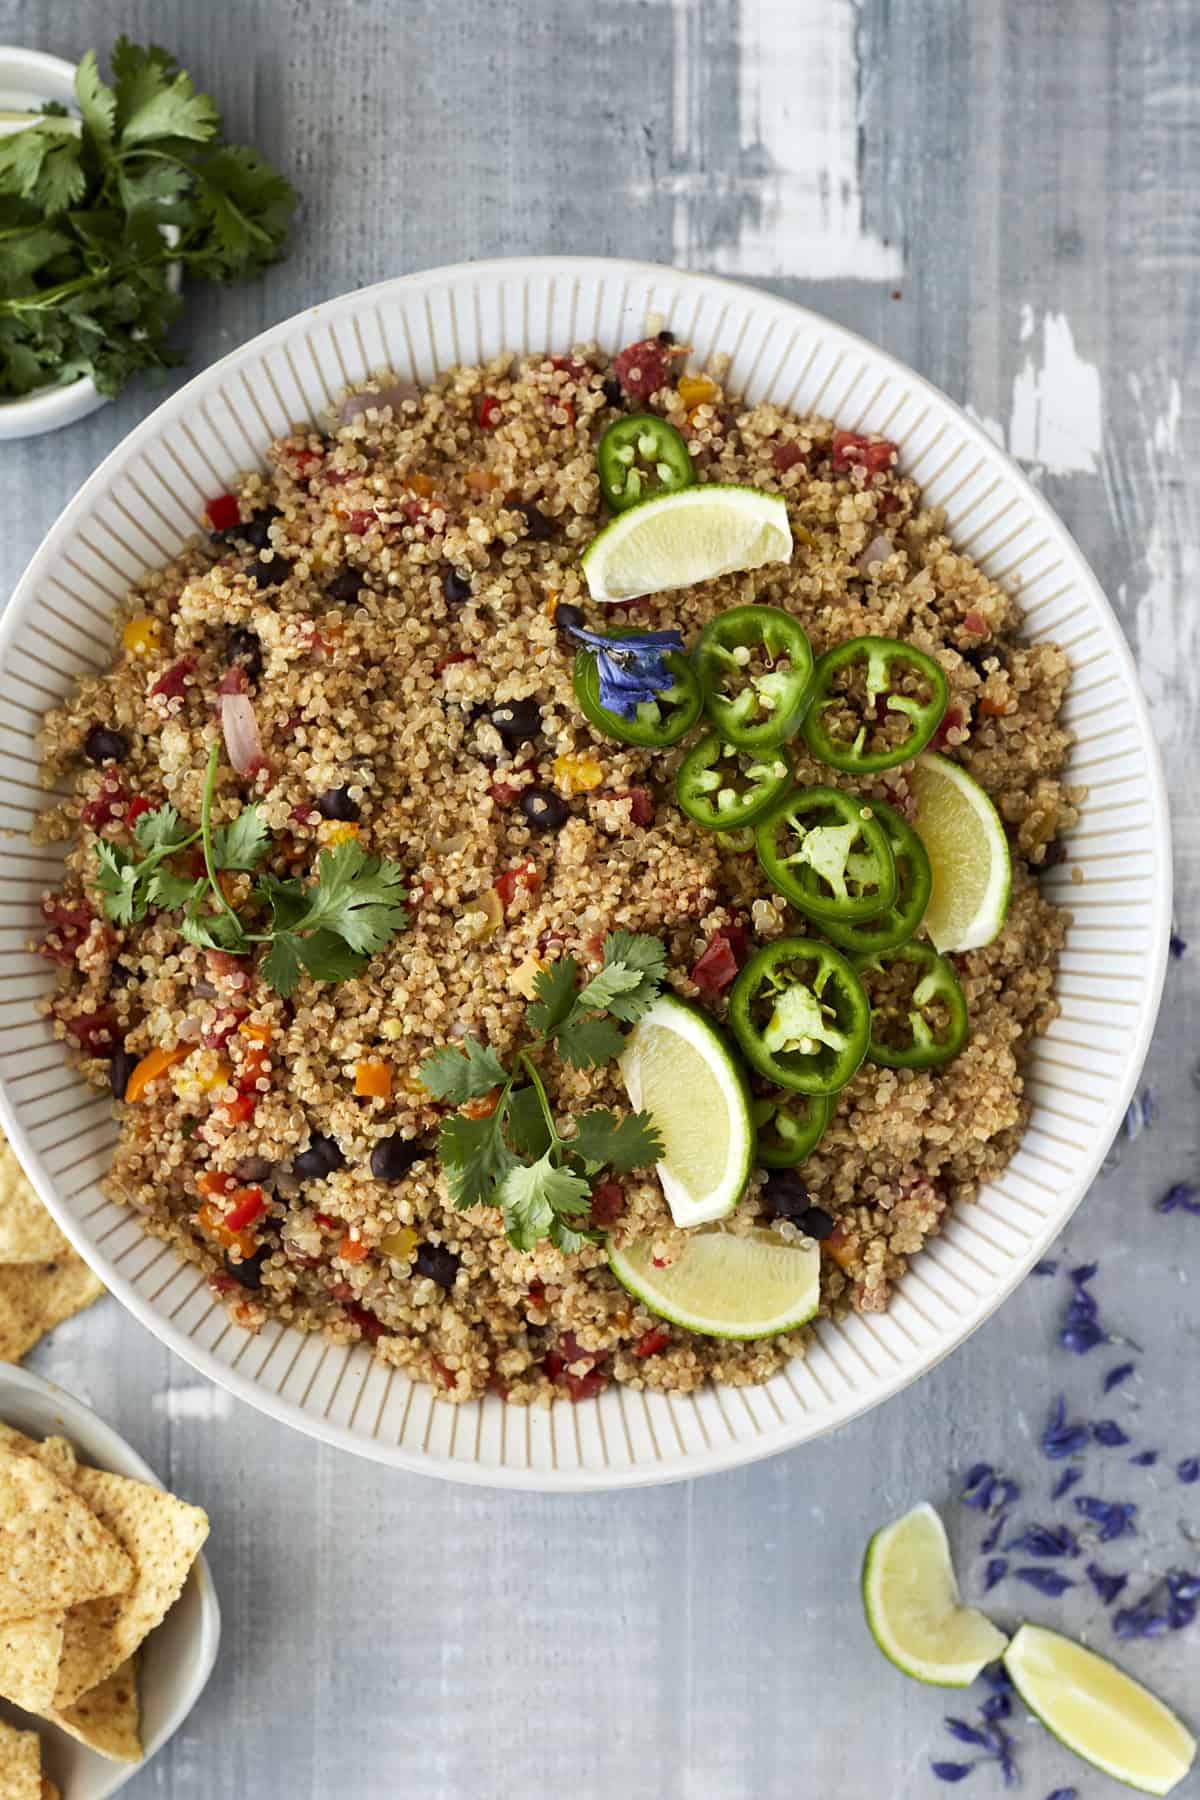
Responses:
[640,457]
[801,1015]
[724,789]
[860,688]
[914,884]
[789,1126]
[824,849]
[918,1009]
[755,665]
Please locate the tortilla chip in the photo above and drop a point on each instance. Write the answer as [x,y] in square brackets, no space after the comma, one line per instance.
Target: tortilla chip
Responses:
[163,1536]
[54,1452]
[20,1764]
[34,1297]
[27,1232]
[30,1651]
[53,1551]
[107,1718]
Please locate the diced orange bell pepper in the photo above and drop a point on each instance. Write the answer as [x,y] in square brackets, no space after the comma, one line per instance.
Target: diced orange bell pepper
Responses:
[841,1246]
[696,390]
[154,1064]
[261,1034]
[211,1182]
[352,1249]
[482,1107]
[420,484]
[373,1080]
[211,1221]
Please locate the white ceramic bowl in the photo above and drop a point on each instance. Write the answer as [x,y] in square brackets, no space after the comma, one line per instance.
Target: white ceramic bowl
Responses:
[143,502]
[178,1657]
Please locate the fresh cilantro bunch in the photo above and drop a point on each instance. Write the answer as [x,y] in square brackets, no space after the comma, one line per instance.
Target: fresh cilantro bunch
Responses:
[83,258]
[331,929]
[515,1157]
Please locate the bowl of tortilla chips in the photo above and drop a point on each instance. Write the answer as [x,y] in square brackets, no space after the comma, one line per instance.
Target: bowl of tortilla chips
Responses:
[109,1620]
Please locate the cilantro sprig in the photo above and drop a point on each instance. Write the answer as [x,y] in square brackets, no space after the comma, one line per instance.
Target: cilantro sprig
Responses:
[84,264]
[514,1156]
[330,928]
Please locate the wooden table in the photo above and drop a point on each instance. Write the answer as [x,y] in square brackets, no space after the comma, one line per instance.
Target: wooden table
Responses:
[1003,192]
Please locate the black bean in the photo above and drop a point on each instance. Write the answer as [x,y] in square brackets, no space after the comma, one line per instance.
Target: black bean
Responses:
[346,585]
[322,1157]
[437,1263]
[270,573]
[242,646]
[816,1222]
[538,527]
[614,393]
[102,745]
[517,721]
[121,1067]
[336,803]
[248,1272]
[979,654]
[568,618]
[456,588]
[254,1168]
[119,976]
[393,1157]
[256,531]
[786,1195]
[667,338]
[544,809]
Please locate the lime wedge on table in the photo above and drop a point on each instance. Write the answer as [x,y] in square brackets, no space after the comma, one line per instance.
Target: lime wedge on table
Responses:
[1094,1709]
[727,1286]
[911,1600]
[693,535]
[968,855]
[677,1066]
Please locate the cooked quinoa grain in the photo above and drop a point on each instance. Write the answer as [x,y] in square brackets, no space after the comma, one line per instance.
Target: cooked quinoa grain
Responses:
[392,602]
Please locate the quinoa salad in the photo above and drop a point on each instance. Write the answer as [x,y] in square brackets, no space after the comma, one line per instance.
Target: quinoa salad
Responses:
[340,807]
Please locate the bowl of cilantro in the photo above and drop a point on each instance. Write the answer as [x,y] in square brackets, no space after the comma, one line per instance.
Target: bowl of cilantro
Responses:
[110,193]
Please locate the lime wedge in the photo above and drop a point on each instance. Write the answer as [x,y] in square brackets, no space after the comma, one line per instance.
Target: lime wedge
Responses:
[1098,1711]
[727,1286]
[678,1067]
[911,1601]
[968,855]
[693,535]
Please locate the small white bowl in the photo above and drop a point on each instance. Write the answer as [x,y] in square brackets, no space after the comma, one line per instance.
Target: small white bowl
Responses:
[27,78]
[177,1659]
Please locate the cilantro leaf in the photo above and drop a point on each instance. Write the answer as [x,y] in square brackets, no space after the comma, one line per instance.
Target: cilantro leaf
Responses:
[535,1195]
[286,900]
[281,965]
[527,1130]
[555,990]
[475,1157]
[643,954]
[165,104]
[242,843]
[328,958]
[97,103]
[586,1043]
[603,991]
[358,896]
[564,1237]
[170,891]
[161,829]
[459,1073]
[116,881]
[605,1139]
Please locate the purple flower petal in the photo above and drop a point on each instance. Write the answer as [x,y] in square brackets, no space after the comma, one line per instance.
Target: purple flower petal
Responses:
[1060,1439]
[966,1733]
[1045,1540]
[994,1572]
[1064,1794]
[1046,1581]
[1047,1266]
[1109,1433]
[1145,1459]
[1116,1376]
[1109,1587]
[998,1678]
[951,1771]
[996,1706]
[1188,1470]
[1066,1482]
[1177,945]
[1183,1194]
[1114,1517]
[995,1532]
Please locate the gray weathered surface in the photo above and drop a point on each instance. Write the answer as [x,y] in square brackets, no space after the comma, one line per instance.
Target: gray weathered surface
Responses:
[1018,159]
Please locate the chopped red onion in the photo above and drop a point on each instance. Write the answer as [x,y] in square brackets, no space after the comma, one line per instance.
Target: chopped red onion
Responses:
[395,396]
[877,551]
[241,733]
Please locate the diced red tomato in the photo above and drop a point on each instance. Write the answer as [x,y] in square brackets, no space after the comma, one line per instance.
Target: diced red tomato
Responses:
[325,1222]
[448,1377]
[249,1205]
[307,460]
[372,1328]
[654,1340]
[241,1110]
[109,803]
[952,719]
[524,878]
[69,926]
[93,1031]
[560,403]
[571,366]
[256,1066]
[641,810]
[537,1292]
[222,512]
[574,1352]
[718,962]
[585,1387]
[608,1202]
[222,1028]
[852,451]
[553,1364]
[305,815]
[785,456]
[455,656]
[223,1283]
[137,806]
[225,966]
[490,413]
[361,521]
[170,685]
[644,367]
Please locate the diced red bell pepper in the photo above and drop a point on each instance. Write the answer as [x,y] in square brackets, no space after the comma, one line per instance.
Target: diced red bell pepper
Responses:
[137,806]
[585,1387]
[372,1328]
[656,1339]
[718,962]
[222,512]
[571,366]
[490,413]
[448,1377]
[222,1027]
[256,1065]
[524,878]
[69,926]
[361,521]
[249,1205]
[850,450]
[553,1364]
[952,719]
[608,1202]
[455,656]
[241,1110]
[573,1351]
[644,367]
[785,456]
[173,683]
[108,804]
[306,461]
[641,811]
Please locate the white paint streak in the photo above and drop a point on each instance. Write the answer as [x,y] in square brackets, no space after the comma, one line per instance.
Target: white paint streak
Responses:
[993,427]
[1057,420]
[783,197]
[204,1403]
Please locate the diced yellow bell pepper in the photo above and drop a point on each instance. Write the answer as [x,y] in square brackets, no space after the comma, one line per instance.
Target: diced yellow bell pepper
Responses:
[696,390]
[142,635]
[577,772]
[401,1243]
